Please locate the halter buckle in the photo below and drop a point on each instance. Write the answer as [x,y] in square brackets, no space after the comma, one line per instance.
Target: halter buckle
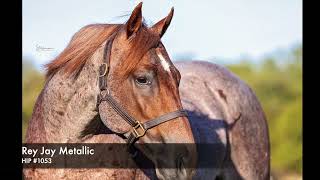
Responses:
[103,70]
[138,130]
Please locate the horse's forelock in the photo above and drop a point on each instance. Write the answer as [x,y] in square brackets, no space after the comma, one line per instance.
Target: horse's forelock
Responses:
[143,41]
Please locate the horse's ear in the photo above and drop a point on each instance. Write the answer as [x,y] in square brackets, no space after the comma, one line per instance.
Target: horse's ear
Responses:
[135,21]
[163,25]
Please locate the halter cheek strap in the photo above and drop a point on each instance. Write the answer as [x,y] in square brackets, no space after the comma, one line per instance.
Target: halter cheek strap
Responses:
[138,129]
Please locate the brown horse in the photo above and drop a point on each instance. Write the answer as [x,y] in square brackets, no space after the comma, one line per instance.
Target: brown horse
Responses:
[129,62]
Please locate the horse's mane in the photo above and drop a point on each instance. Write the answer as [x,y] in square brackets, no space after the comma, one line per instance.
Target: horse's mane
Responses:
[88,39]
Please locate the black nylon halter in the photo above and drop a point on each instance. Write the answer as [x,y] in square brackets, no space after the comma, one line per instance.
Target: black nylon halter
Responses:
[138,129]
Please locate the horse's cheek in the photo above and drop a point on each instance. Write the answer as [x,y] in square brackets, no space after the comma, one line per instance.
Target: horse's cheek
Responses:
[111,119]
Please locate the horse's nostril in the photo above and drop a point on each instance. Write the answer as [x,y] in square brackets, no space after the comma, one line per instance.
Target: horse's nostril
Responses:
[181,165]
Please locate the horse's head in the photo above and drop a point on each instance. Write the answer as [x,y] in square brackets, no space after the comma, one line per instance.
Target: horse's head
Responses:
[144,81]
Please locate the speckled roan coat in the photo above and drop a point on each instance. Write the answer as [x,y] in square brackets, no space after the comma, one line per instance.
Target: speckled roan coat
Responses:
[223,110]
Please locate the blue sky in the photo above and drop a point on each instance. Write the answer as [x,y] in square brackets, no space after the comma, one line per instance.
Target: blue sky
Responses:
[204,30]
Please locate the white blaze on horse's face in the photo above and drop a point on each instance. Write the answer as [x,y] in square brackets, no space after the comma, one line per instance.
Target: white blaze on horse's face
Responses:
[163,61]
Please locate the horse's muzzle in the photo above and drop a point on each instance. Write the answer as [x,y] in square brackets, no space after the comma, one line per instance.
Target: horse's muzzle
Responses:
[179,164]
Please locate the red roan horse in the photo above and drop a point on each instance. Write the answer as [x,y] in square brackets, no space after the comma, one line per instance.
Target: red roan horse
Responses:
[142,79]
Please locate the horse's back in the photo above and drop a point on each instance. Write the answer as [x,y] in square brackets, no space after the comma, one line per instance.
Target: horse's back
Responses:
[225,111]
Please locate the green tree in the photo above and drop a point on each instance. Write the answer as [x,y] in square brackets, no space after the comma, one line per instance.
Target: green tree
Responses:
[32,83]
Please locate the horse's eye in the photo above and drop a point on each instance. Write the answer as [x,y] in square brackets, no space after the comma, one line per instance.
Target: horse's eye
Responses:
[143,81]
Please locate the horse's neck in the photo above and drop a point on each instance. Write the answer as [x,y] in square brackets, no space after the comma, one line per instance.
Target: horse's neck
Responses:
[67,105]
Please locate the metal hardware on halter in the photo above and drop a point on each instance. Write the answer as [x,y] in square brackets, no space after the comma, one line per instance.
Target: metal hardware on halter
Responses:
[103,70]
[136,130]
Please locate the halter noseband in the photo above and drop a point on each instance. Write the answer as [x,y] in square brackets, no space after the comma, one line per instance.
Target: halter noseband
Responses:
[138,129]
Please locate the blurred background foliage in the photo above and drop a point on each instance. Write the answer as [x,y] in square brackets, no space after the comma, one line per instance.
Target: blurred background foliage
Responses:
[32,83]
[276,80]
